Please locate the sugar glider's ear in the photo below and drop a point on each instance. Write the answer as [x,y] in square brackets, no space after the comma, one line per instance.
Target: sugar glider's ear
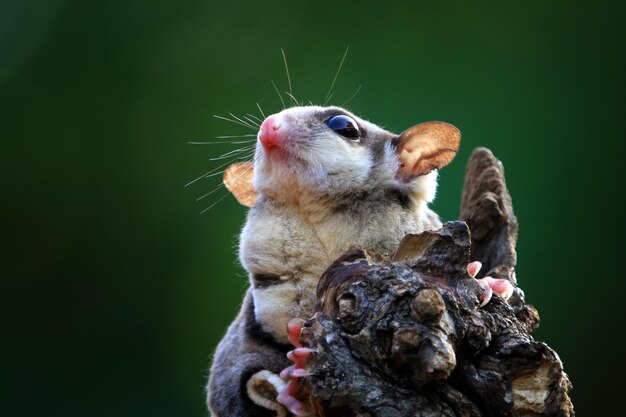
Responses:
[238,180]
[426,147]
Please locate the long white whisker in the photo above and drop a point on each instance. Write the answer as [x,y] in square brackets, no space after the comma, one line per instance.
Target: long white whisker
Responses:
[251,120]
[222,142]
[234,121]
[242,158]
[243,121]
[352,96]
[219,186]
[230,153]
[214,204]
[255,117]
[332,85]
[208,174]
[288,77]
[249,135]
[292,97]
[262,114]
[278,92]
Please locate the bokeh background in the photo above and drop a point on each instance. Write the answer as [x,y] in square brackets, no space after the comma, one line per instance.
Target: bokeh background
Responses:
[114,286]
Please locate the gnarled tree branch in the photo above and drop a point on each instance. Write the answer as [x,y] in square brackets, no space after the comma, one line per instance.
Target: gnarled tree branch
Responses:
[405,336]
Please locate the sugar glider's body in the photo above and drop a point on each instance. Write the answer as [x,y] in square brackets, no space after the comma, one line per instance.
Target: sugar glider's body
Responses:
[323,185]
[286,249]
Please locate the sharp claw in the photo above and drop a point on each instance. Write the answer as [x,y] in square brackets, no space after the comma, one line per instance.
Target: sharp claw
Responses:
[487,293]
[473,268]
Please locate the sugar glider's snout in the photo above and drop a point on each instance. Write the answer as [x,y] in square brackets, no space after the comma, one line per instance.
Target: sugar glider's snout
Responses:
[272,133]
[285,133]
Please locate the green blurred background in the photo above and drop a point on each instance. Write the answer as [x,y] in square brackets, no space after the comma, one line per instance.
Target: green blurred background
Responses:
[115,289]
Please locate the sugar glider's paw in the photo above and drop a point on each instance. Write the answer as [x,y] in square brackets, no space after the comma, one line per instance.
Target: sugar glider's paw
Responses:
[502,287]
[293,396]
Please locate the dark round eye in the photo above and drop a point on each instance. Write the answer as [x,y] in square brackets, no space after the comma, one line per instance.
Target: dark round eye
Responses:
[344,126]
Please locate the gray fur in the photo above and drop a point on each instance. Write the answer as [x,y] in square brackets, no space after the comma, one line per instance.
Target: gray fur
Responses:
[327,195]
[243,351]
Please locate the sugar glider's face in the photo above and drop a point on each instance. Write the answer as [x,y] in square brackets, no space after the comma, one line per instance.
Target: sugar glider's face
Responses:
[322,150]
[329,152]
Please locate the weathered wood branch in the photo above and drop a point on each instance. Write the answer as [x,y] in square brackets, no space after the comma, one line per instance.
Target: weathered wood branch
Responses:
[405,336]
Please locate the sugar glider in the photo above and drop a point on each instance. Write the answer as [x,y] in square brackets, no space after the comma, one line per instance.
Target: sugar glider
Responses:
[323,180]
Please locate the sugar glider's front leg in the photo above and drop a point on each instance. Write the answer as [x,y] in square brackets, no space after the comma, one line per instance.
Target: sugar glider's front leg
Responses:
[246,363]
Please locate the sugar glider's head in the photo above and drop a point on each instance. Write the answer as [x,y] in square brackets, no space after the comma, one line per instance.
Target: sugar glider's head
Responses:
[328,151]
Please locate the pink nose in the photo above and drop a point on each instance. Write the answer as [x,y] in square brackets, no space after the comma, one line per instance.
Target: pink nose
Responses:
[270,131]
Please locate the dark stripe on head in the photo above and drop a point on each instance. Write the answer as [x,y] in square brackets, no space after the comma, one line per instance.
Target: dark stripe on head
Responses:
[265,280]
[378,148]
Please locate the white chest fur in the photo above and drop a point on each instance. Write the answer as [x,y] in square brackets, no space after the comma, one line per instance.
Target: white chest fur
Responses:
[280,243]
[295,250]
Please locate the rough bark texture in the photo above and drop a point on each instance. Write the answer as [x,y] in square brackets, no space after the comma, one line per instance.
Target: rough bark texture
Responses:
[405,336]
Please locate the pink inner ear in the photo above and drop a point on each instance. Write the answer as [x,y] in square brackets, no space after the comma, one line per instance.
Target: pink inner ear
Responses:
[426,147]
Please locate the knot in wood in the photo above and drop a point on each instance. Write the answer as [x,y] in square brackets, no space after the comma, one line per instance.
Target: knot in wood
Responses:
[350,310]
[427,306]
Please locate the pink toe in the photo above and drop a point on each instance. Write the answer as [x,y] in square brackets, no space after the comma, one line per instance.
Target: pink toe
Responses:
[289,396]
[299,353]
[298,373]
[473,268]
[300,356]
[292,404]
[294,329]
[502,287]
[284,374]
